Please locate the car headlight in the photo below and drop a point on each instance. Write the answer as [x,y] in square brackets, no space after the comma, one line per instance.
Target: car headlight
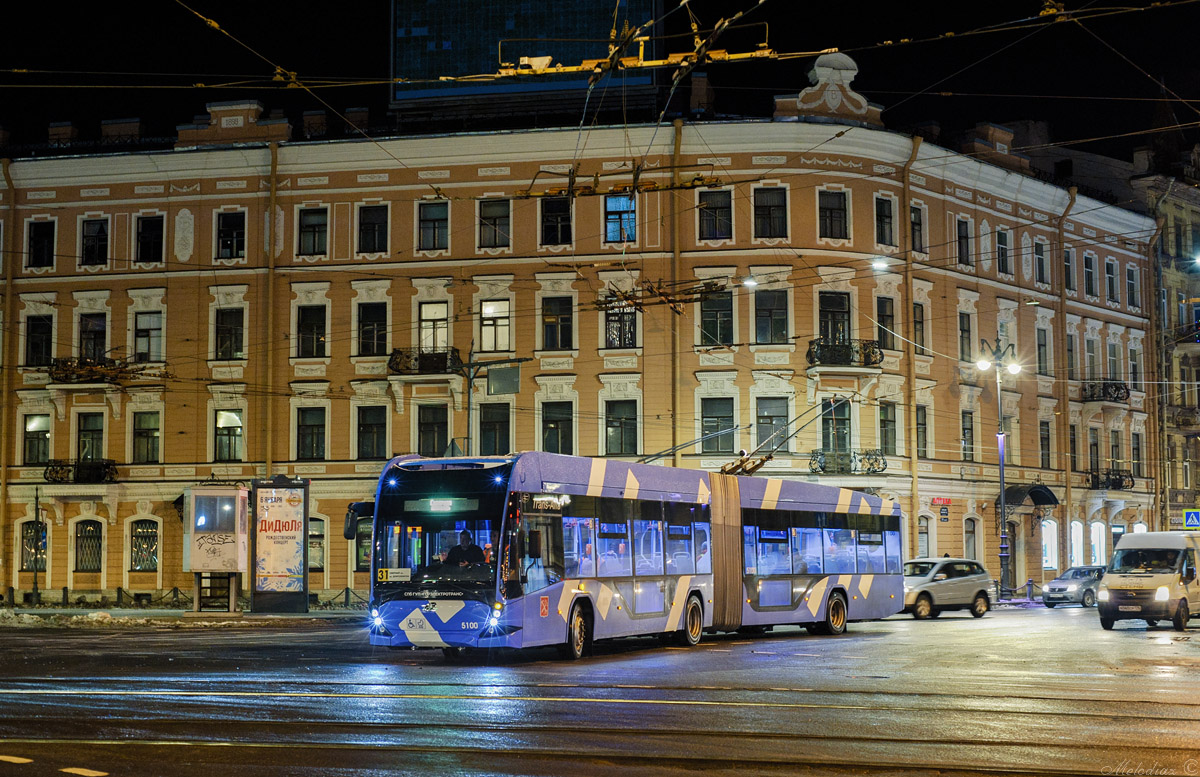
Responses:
[1102,595]
[1072,587]
[1162,594]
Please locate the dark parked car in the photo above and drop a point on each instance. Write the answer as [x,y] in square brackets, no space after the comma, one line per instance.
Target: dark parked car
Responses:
[1075,586]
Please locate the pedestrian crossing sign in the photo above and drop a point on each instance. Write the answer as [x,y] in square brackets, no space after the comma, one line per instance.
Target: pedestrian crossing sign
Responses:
[1191,519]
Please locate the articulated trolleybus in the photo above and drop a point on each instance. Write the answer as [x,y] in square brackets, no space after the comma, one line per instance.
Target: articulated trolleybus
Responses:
[565,550]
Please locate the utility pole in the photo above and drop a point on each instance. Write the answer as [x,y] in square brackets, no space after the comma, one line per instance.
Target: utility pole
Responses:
[37,544]
[470,370]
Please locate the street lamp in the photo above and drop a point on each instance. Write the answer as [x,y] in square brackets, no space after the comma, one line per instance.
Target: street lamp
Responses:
[1006,356]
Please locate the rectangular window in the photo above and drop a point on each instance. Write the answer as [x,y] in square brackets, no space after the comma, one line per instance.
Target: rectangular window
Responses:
[1041,269]
[620,420]
[494,226]
[314,231]
[885,222]
[310,331]
[620,324]
[90,436]
[887,428]
[95,242]
[1114,361]
[33,546]
[494,325]
[37,440]
[964,241]
[620,218]
[968,435]
[1089,275]
[373,229]
[41,244]
[372,328]
[716,318]
[1071,357]
[1044,443]
[150,231]
[229,326]
[1093,449]
[227,436]
[770,212]
[143,546]
[832,217]
[493,430]
[1073,434]
[716,419]
[147,337]
[372,432]
[770,316]
[1069,268]
[432,430]
[1131,288]
[1003,265]
[39,340]
[1114,450]
[1135,454]
[310,433]
[716,215]
[922,432]
[433,226]
[556,221]
[556,427]
[93,334]
[916,217]
[89,551]
[434,326]
[1093,366]
[1043,352]
[919,328]
[835,433]
[1110,281]
[1135,369]
[557,320]
[231,235]
[885,318]
[145,438]
[771,421]
[965,347]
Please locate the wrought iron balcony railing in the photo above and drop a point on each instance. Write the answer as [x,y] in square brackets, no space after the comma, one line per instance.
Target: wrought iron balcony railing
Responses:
[1110,479]
[844,353]
[420,361]
[1105,391]
[77,471]
[842,462]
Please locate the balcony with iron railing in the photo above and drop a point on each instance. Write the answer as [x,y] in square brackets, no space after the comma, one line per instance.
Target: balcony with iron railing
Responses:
[81,471]
[1186,339]
[424,361]
[1110,480]
[830,461]
[1106,390]
[858,355]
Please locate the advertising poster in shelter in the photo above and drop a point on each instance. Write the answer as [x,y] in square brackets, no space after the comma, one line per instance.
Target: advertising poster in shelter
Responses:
[279,539]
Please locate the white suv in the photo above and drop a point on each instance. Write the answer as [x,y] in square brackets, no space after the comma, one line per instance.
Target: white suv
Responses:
[935,584]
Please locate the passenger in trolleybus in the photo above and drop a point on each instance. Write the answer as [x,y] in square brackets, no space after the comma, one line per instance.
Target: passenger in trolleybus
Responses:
[466,552]
[587,567]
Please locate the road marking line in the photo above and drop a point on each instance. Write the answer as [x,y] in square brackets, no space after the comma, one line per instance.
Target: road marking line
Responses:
[84,772]
[15,759]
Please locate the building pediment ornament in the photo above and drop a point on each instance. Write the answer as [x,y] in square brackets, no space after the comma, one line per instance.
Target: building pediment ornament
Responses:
[146,299]
[185,234]
[370,291]
[830,95]
[492,285]
[310,293]
[556,283]
[773,381]
[228,296]
[887,284]
[91,301]
[967,300]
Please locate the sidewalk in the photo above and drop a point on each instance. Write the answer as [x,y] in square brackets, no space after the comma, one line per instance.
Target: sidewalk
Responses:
[87,617]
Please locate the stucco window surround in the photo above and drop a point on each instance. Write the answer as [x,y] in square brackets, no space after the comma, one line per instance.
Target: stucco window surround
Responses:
[721,274]
[305,295]
[1044,245]
[714,242]
[227,396]
[836,279]
[925,398]
[893,247]
[1008,269]
[967,304]
[368,393]
[146,301]
[557,248]
[490,288]
[920,250]
[372,202]
[770,278]
[89,303]
[39,303]
[365,293]
[1095,293]
[431,290]
[230,256]
[554,285]
[556,388]
[225,298]
[717,384]
[145,401]
[127,551]
[616,283]
[772,185]
[969,401]
[847,193]
[88,515]
[499,250]
[105,221]
[132,241]
[769,384]
[310,253]
[53,266]
[313,393]
[429,253]
[888,286]
[46,579]
[35,401]
[617,387]
[890,388]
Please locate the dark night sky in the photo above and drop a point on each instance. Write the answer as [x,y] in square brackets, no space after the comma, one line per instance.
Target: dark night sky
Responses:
[158,42]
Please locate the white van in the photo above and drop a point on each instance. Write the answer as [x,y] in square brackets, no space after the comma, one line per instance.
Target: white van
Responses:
[1152,577]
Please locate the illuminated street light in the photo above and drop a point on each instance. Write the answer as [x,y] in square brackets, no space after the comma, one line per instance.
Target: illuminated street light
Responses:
[1006,356]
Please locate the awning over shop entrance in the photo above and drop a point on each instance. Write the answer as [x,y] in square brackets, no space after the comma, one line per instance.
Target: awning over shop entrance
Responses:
[1015,496]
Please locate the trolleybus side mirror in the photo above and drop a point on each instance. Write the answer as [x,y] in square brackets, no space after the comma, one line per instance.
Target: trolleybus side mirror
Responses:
[533,545]
[354,512]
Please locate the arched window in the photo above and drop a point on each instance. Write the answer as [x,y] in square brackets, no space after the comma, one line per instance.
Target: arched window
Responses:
[1099,552]
[33,546]
[1049,544]
[88,550]
[1139,528]
[969,550]
[316,545]
[362,545]
[922,537]
[143,546]
[1076,543]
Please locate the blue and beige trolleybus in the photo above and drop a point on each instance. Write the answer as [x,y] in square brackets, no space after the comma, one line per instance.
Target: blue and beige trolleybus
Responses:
[565,550]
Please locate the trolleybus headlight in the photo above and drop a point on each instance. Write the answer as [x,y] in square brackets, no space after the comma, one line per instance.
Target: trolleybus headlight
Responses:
[1162,594]
[1102,595]
[375,612]
[377,621]
[493,622]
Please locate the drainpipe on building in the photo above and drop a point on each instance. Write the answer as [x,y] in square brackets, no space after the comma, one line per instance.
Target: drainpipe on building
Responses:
[910,348]
[1161,356]
[1061,387]
[677,456]
[269,398]
[8,359]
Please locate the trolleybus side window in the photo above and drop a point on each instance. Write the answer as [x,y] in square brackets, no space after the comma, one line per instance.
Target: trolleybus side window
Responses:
[774,557]
[839,544]
[579,549]
[872,558]
[648,539]
[749,545]
[703,537]
[612,540]
[806,543]
[542,563]
[891,539]
[681,559]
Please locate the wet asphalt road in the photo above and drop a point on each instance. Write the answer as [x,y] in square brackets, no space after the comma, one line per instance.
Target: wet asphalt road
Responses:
[1021,691]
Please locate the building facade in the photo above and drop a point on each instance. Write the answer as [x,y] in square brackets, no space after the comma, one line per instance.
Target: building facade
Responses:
[811,290]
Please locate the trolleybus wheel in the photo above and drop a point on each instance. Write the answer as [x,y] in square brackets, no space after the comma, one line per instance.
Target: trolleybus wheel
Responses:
[579,634]
[1106,623]
[1180,621]
[835,615]
[693,623]
[923,608]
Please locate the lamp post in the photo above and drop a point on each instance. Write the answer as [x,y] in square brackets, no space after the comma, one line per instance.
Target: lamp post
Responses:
[1007,357]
